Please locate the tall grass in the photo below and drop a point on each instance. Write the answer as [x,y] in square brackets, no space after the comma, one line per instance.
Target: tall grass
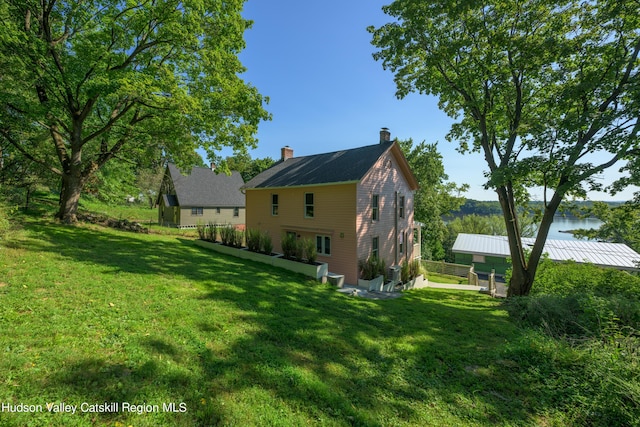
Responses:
[596,312]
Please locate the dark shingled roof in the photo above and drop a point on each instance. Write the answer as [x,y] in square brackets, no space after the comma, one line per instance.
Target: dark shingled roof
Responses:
[340,166]
[170,200]
[205,188]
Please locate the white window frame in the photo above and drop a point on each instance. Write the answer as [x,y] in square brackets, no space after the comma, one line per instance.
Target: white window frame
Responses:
[321,244]
[309,205]
[375,207]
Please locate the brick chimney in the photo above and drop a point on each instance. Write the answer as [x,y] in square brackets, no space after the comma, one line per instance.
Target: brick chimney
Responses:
[286,153]
[213,166]
[385,135]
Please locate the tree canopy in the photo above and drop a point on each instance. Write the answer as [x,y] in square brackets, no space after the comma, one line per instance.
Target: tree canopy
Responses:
[547,91]
[436,196]
[621,224]
[248,167]
[97,80]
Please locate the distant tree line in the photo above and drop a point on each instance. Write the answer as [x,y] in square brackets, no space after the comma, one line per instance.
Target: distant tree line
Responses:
[489,207]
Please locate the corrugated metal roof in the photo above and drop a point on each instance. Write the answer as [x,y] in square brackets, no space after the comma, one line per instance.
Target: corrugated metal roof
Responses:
[615,255]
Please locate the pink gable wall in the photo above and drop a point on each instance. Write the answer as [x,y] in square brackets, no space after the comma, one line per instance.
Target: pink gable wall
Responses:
[386,180]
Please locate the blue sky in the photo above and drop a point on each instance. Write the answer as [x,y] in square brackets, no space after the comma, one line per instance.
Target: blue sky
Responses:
[313,60]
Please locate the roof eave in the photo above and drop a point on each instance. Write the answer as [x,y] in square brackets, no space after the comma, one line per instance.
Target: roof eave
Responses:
[321,184]
[404,166]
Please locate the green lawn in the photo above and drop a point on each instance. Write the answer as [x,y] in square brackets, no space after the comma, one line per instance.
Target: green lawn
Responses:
[446,278]
[91,315]
[139,212]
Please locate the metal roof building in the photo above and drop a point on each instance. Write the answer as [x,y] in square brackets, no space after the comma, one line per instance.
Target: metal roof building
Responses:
[484,249]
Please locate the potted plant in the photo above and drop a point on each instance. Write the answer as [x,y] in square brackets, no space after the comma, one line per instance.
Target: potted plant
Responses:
[371,273]
[411,274]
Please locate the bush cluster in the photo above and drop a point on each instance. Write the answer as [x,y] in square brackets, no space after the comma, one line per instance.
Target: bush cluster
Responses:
[230,236]
[212,232]
[299,249]
[371,268]
[259,241]
[409,270]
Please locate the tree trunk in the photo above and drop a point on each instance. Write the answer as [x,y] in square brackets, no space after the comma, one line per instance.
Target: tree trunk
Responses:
[524,268]
[520,282]
[27,198]
[69,198]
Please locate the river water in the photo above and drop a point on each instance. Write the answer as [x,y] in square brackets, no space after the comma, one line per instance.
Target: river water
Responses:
[561,224]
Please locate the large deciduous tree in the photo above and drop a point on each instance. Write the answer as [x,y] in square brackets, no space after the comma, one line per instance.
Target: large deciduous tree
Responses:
[98,80]
[547,91]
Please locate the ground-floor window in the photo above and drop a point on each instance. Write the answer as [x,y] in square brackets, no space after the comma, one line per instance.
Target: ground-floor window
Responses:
[323,245]
[197,211]
[375,247]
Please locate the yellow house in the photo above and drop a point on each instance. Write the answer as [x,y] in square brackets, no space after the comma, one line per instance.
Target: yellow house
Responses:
[353,203]
[201,197]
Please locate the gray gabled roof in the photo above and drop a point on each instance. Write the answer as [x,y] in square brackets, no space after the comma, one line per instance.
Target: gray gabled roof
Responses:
[205,188]
[336,167]
[616,255]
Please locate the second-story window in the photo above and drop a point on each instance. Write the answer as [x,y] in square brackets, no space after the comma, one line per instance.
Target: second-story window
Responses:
[401,207]
[375,208]
[274,204]
[308,205]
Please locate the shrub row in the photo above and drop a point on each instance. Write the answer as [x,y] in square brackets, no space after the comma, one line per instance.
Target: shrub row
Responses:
[259,241]
[299,249]
[371,268]
[229,235]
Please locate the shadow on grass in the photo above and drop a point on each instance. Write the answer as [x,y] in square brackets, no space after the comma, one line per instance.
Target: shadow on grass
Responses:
[319,354]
